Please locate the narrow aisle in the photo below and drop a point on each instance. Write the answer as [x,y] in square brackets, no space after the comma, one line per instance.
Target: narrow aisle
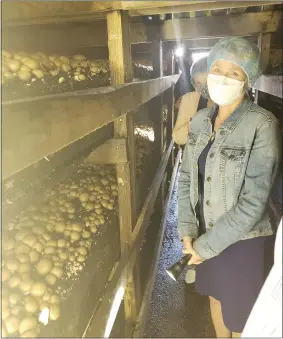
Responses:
[176,310]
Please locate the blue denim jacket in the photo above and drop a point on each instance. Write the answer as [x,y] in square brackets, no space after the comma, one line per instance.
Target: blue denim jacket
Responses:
[240,170]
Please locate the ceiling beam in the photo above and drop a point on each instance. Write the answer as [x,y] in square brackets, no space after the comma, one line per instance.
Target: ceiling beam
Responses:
[204,6]
[70,37]
[17,13]
[20,13]
[216,26]
[196,44]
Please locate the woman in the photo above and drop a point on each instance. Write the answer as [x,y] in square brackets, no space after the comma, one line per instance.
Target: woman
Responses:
[229,166]
[192,102]
[183,84]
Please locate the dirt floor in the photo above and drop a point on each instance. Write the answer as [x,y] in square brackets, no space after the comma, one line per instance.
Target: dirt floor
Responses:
[176,310]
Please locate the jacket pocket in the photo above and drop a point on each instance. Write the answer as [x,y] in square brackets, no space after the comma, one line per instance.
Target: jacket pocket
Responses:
[231,169]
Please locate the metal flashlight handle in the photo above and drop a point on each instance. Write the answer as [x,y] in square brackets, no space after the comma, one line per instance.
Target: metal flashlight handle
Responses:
[186,258]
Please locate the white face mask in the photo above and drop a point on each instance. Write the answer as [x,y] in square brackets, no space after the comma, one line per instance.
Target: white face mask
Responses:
[223,90]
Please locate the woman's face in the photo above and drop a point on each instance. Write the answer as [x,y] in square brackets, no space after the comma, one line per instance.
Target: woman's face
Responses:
[228,69]
[200,79]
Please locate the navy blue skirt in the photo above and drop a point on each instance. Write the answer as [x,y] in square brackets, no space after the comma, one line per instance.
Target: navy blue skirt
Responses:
[235,278]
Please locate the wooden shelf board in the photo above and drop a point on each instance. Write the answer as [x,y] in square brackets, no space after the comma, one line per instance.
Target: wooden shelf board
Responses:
[34,128]
[22,13]
[270,84]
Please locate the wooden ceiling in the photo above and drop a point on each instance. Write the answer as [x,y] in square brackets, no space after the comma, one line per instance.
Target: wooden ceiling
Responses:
[30,12]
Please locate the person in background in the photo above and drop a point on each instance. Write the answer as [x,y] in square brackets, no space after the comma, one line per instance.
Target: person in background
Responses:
[229,167]
[192,102]
[183,84]
[265,319]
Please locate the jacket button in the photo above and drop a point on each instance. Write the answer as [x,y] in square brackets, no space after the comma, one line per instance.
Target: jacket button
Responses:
[211,155]
[208,202]
[210,224]
[208,179]
[222,132]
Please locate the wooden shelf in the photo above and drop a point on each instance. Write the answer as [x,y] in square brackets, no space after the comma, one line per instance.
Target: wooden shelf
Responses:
[89,287]
[102,309]
[90,34]
[34,128]
[32,13]
[27,185]
[270,84]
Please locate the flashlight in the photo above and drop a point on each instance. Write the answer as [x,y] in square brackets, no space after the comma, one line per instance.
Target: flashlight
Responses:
[175,270]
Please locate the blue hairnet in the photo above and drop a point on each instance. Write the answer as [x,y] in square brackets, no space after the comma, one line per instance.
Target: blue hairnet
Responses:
[239,51]
[199,66]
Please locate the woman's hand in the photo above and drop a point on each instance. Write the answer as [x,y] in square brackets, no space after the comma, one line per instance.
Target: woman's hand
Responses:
[188,249]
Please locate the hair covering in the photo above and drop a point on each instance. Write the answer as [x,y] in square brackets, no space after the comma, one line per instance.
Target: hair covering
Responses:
[239,51]
[183,84]
[200,66]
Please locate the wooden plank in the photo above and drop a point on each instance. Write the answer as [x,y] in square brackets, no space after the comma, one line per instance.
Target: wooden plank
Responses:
[156,103]
[264,46]
[275,58]
[215,26]
[171,114]
[140,52]
[169,95]
[56,38]
[121,71]
[271,84]
[28,10]
[157,58]
[130,5]
[192,7]
[52,11]
[155,107]
[101,311]
[48,172]
[143,314]
[35,128]
[26,13]
[112,151]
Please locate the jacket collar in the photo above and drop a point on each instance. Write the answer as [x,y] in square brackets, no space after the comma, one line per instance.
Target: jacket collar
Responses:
[233,120]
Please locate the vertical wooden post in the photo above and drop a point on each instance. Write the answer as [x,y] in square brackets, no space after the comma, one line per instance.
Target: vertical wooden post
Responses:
[157,58]
[170,121]
[121,71]
[156,113]
[264,47]
[157,64]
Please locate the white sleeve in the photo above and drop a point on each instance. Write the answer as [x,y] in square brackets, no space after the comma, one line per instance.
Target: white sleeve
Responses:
[265,319]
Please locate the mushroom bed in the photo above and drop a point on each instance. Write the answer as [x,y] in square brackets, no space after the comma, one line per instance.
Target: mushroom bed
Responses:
[49,248]
[46,247]
[28,75]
